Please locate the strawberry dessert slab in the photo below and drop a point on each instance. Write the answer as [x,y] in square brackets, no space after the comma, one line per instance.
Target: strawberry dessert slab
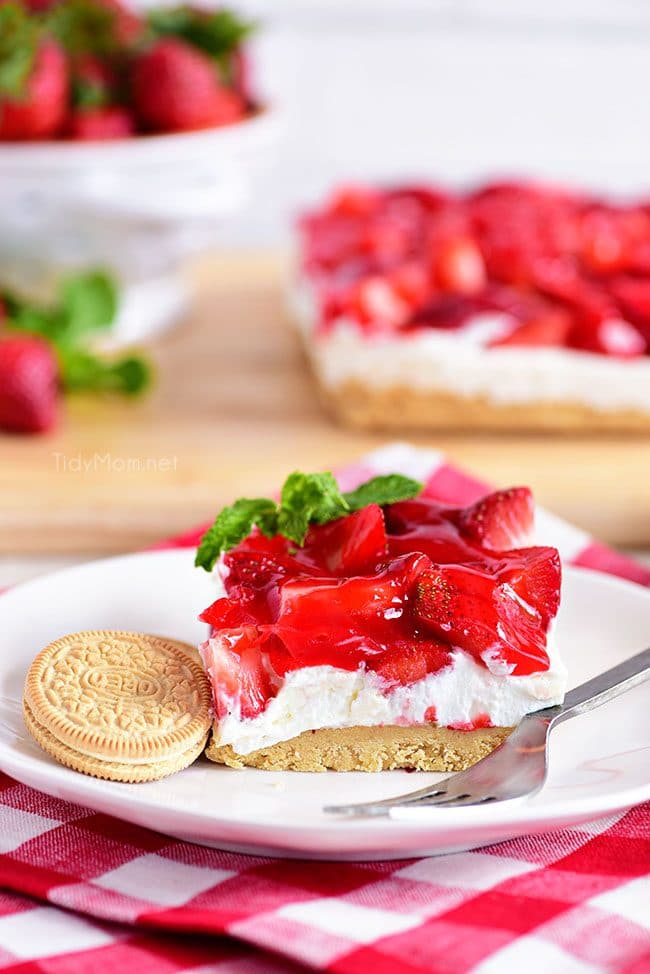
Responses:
[509,306]
[376,629]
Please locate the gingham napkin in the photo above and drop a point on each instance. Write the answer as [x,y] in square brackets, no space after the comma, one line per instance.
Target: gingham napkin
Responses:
[91,893]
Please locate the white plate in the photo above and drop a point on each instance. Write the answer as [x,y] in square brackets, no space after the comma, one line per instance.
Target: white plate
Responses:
[599,762]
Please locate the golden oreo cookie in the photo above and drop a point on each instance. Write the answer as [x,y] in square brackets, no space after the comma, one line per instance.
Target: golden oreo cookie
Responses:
[119,705]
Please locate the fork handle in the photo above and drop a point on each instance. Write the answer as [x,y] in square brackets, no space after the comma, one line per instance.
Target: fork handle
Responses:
[605,687]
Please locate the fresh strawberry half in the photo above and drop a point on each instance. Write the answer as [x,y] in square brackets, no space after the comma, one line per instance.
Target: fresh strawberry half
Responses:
[500,521]
[29,385]
[501,618]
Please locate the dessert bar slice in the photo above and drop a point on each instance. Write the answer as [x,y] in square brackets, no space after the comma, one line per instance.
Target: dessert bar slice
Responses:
[376,629]
[509,306]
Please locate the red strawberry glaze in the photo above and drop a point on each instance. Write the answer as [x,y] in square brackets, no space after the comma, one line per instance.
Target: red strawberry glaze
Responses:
[569,270]
[393,590]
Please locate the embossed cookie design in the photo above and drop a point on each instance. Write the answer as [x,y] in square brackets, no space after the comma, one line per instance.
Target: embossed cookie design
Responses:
[118,705]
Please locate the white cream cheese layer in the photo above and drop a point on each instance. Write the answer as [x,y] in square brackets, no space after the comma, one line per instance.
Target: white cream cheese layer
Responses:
[458,362]
[325,696]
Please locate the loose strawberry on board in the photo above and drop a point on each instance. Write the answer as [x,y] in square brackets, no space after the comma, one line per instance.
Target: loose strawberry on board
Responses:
[501,520]
[176,87]
[38,109]
[29,385]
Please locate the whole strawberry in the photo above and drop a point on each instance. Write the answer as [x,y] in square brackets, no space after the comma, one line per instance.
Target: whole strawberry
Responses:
[97,124]
[33,80]
[176,87]
[29,384]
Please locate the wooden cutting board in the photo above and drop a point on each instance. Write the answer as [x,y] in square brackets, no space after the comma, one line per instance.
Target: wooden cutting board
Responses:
[233,411]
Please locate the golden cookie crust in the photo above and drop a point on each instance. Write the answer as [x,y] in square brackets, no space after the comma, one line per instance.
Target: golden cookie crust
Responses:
[108,770]
[120,696]
[368,749]
[404,407]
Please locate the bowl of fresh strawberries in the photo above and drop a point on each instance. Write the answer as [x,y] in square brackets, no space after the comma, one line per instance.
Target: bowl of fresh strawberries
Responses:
[125,140]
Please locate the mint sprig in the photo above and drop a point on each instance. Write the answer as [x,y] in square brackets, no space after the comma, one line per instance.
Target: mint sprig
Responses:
[233,524]
[387,489]
[81,371]
[305,499]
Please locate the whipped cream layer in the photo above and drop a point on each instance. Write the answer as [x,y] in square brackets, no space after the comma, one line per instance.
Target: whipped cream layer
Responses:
[327,697]
[460,363]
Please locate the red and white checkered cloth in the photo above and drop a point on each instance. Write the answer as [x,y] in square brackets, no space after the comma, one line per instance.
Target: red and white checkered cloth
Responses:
[91,893]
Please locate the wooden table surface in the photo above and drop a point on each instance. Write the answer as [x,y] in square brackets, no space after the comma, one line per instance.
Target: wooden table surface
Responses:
[233,411]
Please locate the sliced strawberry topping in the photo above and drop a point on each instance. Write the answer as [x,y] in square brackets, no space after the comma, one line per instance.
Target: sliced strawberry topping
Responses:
[501,520]
[240,677]
[393,590]
[376,299]
[551,328]
[574,272]
[500,617]
[225,614]
[408,661]
[352,545]
[324,619]
[459,266]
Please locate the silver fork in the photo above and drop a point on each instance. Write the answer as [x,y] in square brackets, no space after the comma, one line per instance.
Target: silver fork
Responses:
[518,766]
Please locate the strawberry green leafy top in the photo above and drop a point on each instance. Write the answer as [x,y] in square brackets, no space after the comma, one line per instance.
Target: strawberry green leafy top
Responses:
[306,498]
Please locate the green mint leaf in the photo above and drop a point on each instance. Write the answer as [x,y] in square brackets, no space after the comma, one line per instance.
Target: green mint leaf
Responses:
[216,33]
[386,489]
[307,498]
[232,525]
[18,45]
[39,321]
[88,303]
[81,371]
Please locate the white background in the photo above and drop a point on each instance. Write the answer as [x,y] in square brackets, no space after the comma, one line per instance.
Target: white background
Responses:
[450,89]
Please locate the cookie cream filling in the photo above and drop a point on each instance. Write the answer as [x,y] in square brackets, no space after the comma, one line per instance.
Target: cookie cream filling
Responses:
[459,362]
[328,697]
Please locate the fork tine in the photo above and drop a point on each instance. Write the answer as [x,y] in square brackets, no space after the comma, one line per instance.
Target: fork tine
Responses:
[382,806]
[407,811]
[375,808]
